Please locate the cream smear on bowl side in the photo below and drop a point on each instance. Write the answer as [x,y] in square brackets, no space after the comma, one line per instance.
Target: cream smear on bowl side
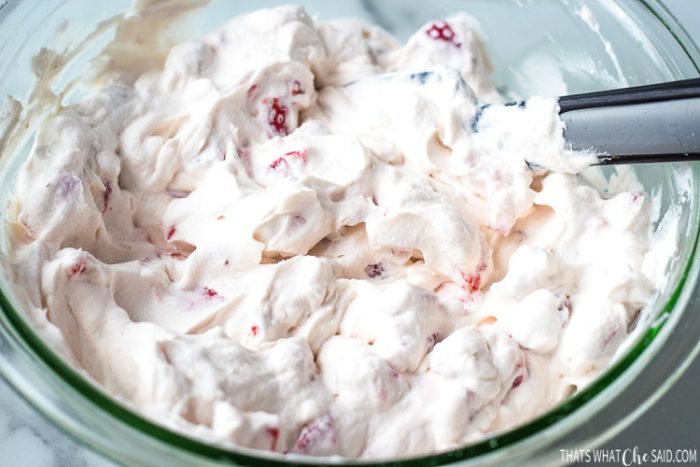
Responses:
[304,237]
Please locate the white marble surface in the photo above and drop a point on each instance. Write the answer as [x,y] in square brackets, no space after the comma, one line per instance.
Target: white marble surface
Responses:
[27,439]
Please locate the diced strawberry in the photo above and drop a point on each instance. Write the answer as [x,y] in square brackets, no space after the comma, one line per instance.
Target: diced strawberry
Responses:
[251,91]
[433,339]
[277,117]
[472,282]
[374,270]
[278,163]
[442,31]
[517,381]
[301,154]
[295,88]
[320,431]
[77,268]
[106,195]
[522,369]
[565,304]
[170,233]
[282,161]
[209,293]
[274,433]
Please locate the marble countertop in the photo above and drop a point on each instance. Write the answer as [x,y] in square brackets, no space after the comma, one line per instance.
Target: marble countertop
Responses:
[27,439]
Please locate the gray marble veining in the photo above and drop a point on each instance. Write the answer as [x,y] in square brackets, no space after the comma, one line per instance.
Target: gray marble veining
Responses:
[28,439]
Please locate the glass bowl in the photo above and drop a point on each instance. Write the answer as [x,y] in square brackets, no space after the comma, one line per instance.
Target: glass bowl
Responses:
[545,48]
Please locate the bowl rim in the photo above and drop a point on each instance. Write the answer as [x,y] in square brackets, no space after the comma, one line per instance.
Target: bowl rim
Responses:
[37,347]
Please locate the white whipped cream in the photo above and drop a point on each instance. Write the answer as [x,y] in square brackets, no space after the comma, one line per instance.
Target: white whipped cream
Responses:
[304,237]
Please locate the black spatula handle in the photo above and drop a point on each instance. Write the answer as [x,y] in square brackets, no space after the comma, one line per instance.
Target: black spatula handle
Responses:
[671,90]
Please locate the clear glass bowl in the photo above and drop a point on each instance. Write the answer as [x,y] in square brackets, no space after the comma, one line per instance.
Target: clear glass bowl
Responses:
[536,48]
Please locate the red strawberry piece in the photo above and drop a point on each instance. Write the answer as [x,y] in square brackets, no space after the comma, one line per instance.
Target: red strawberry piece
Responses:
[274,433]
[442,31]
[517,381]
[472,282]
[433,339]
[170,232]
[279,163]
[251,91]
[321,430]
[277,117]
[209,293]
[282,161]
[374,270]
[295,88]
[77,268]
[522,376]
[106,195]
[565,304]
[301,154]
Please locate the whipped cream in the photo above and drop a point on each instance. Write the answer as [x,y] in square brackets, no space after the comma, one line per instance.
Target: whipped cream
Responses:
[305,237]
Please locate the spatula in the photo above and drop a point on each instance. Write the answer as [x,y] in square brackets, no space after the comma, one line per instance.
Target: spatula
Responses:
[654,123]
